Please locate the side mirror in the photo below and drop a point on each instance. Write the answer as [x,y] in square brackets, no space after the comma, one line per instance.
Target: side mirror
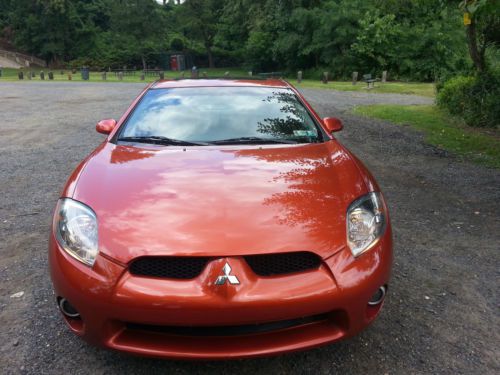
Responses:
[105,126]
[332,124]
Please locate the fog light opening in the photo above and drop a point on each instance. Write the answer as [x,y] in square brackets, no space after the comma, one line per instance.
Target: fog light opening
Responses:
[378,297]
[67,308]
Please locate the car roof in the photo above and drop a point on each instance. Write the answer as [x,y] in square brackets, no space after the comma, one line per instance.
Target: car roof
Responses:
[180,83]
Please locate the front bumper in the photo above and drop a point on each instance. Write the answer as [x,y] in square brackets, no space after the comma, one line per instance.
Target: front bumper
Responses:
[125,312]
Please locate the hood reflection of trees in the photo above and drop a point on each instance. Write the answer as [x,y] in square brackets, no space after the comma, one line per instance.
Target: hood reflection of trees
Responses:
[124,154]
[311,199]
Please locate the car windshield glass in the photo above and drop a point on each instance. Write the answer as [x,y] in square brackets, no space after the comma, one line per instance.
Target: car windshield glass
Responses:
[223,115]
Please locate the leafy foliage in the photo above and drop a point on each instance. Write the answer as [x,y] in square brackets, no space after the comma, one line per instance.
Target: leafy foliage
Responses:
[475,99]
[483,30]
[199,20]
[412,39]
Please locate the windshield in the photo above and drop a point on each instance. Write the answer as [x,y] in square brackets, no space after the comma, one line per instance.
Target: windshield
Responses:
[211,114]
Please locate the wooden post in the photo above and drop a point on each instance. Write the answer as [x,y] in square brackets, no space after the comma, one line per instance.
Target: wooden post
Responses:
[299,76]
[384,76]
[104,76]
[42,75]
[51,76]
[20,75]
[354,78]
[325,77]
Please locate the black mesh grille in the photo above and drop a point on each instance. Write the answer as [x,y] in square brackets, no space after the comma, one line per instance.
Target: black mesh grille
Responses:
[278,264]
[169,267]
[191,267]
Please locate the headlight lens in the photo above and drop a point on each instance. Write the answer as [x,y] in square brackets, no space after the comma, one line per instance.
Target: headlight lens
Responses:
[75,226]
[366,222]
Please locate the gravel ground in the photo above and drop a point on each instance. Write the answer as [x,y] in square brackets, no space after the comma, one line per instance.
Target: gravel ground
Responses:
[442,314]
[344,100]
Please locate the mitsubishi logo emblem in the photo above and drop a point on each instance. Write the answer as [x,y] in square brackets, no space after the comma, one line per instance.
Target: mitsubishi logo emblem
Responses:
[221,280]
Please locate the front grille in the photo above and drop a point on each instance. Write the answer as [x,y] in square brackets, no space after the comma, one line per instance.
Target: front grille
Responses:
[239,330]
[169,267]
[279,264]
[186,268]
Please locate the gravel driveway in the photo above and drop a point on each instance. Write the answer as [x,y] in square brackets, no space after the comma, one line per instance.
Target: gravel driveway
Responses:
[442,314]
[344,100]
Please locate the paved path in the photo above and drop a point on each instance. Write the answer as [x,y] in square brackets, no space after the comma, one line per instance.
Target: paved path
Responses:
[441,315]
[8,63]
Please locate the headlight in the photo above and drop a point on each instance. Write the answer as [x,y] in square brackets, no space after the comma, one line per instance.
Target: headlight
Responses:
[75,227]
[366,222]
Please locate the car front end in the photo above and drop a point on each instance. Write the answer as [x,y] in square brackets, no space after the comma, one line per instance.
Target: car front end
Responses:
[194,318]
[220,251]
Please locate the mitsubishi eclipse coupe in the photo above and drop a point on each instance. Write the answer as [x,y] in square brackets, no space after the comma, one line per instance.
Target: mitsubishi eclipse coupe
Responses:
[220,219]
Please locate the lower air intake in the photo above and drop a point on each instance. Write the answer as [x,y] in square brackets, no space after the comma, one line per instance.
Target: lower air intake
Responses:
[228,330]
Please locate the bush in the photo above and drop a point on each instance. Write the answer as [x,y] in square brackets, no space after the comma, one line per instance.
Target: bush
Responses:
[453,94]
[475,99]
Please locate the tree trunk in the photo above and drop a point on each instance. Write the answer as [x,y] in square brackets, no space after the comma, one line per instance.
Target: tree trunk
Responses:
[207,41]
[476,55]
[144,65]
[211,63]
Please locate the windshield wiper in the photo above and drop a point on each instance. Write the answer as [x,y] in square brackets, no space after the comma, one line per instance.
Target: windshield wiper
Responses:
[252,140]
[159,140]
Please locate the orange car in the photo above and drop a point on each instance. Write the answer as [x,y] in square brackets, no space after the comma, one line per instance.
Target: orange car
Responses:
[220,219]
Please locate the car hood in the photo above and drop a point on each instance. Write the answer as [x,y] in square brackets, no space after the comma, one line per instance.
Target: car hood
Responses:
[219,201]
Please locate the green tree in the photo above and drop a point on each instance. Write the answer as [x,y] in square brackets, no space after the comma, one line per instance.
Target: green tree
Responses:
[56,29]
[5,8]
[415,39]
[137,30]
[482,28]
[418,39]
[199,20]
[375,40]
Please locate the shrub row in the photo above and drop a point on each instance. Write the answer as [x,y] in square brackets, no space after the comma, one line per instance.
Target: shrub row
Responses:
[476,99]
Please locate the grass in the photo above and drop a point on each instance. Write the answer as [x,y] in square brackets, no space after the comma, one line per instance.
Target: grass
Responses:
[442,130]
[415,88]
[424,89]
[11,75]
